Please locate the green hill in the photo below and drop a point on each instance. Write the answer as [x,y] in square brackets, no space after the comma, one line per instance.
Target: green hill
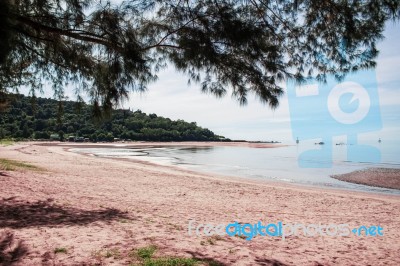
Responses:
[40,118]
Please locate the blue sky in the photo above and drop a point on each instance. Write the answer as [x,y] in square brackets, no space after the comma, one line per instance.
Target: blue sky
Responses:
[171,96]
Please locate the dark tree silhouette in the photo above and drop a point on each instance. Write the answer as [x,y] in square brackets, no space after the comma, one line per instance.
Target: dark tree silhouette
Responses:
[107,49]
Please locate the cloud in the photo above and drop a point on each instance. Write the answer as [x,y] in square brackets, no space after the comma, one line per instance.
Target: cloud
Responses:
[171,96]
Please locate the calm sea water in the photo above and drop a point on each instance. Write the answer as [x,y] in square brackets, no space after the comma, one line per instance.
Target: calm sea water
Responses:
[261,163]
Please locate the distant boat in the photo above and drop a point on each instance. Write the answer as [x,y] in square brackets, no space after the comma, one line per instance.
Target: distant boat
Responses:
[379,140]
[297,140]
[320,143]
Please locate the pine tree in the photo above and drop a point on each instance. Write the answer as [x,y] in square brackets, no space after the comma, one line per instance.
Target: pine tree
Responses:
[107,49]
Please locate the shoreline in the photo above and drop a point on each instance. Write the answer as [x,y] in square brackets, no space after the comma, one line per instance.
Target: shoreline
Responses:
[138,144]
[241,179]
[66,146]
[370,177]
[91,205]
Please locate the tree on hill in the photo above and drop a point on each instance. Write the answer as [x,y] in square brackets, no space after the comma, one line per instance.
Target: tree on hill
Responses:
[19,121]
[106,49]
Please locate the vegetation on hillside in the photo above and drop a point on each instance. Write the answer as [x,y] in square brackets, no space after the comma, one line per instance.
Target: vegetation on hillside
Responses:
[40,118]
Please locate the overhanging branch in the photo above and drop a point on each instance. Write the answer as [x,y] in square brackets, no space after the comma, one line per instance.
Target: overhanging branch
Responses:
[83,36]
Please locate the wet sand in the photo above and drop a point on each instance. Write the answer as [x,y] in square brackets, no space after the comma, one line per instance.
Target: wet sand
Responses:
[376,177]
[92,207]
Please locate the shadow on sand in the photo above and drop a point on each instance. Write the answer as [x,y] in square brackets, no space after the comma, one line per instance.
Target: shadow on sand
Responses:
[11,251]
[21,214]
[258,261]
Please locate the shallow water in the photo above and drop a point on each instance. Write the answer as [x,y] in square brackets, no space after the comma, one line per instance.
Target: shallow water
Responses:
[282,164]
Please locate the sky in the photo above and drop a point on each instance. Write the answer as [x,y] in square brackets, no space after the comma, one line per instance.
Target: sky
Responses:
[171,96]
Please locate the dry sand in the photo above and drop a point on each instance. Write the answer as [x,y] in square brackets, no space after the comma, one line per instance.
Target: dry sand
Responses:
[99,210]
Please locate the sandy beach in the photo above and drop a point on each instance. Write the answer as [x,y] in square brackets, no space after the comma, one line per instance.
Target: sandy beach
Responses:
[377,177]
[100,211]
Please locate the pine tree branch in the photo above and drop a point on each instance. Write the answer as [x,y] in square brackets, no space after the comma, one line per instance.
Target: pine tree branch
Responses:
[83,36]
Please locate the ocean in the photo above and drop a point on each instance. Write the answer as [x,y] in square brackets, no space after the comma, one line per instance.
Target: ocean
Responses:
[279,164]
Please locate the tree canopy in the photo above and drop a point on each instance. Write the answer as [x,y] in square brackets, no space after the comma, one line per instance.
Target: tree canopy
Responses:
[105,49]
